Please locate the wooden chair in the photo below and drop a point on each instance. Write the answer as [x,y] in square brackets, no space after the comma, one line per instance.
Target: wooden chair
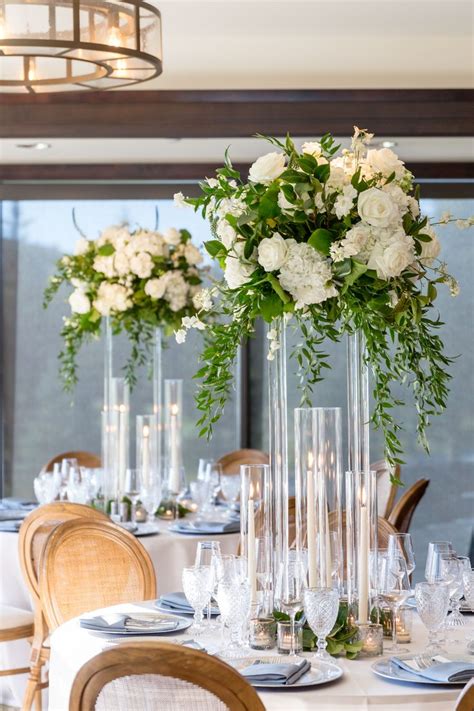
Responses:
[34,532]
[231,462]
[88,564]
[386,491]
[15,624]
[465,701]
[84,459]
[404,509]
[167,675]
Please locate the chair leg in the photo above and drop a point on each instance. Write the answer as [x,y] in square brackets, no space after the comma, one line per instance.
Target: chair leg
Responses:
[31,691]
[38,700]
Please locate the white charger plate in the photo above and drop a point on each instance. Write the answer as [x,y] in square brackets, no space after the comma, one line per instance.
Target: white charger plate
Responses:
[319,674]
[387,670]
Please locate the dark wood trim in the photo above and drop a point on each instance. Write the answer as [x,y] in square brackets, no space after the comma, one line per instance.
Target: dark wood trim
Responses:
[179,172]
[211,114]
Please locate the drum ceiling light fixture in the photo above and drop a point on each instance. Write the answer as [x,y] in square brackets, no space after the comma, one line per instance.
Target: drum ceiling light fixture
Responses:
[67,45]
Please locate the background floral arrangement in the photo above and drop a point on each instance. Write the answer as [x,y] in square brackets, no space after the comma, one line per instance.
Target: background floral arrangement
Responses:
[336,242]
[142,279]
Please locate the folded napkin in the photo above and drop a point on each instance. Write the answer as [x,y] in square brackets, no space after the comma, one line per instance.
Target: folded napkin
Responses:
[126,623]
[13,514]
[441,670]
[207,526]
[13,502]
[277,674]
[10,526]
[177,602]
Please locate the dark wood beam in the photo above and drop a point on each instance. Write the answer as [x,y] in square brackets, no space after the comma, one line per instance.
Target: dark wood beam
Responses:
[211,114]
[179,172]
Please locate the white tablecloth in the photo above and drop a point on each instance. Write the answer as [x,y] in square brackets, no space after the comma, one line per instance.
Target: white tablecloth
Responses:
[359,688]
[170,552]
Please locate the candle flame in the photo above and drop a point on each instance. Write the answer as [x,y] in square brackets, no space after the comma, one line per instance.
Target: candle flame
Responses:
[122,408]
[174,409]
[146,431]
[310,460]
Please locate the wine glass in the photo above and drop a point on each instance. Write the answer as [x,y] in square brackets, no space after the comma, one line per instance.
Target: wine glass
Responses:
[451,570]
[202,468]
[435,550]
[321,607]
[68,466]
[230,487]
[402,544]
[432,601]
[395,589]
[213,475]
[132,488]
[197,588]
[289,591]
[207,553]
[200,492]
[45,487]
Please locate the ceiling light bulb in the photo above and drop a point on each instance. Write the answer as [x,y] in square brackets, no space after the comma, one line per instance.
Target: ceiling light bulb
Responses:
[114,38]
[31,70]
[40,146]
[389,144]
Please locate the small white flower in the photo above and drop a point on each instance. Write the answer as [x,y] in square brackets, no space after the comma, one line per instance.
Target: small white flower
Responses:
[172,236]
[272,334]
[267,168]
[272,252]
[377,208]
[463,224]
[345,201]
[180,200]
[337,252]
[445,218]
[193,322]
[393,298]
[202,300]
[180,335]
[79,302]
[212,182]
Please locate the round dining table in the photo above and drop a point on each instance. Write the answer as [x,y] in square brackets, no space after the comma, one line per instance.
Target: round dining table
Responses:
[169,551]
[358,688]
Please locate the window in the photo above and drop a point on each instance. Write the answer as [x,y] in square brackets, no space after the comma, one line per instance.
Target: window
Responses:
[40,420]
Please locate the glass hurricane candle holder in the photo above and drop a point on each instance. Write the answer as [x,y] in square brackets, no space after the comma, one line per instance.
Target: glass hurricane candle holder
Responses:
[148,461]
[120,404]
[173,435]
[284,635]
[371,636]
[262,633]
[256,532]
[318,467]
[404,623]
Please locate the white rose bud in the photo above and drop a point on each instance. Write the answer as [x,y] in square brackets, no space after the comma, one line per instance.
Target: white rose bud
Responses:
[377,208]
[267,168]
[272,252]
[79,302]
[172,236]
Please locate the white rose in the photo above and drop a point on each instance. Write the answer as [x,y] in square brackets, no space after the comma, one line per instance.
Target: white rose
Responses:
[112,297]
[172,236]
[272,252]
[429,250]
[105,265]
[192,254]
[267,168]
[155,288]
[121,263]
[238,270]
[313,148]
[285,204]
[390,258]
[141,265]
[226,233]
[231,206]
[377,208]
[79,302]
[82,246]
[385,161]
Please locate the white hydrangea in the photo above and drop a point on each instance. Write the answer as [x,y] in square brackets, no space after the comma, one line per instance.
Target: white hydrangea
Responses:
[116,235]
[238,270]
[105,265]
[142,265]
[121,263]
[358,242]
[306,275]
[112,297]
[192,254]
[176,291]
[79,302]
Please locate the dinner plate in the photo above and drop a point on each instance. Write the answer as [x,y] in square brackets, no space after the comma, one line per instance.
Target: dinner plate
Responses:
[319,674]
[190,529]
[183,624]
[387,670]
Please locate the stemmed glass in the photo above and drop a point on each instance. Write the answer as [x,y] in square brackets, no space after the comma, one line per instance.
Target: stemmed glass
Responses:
[289,591]
[46,487]
[197,587]
[132,488]
[432,601]
[230,487]
[208,553]
[402,544]
[451,571]
[321,607]
[435,551]
[67,469]
[468,580]
[395,589]
[233,597]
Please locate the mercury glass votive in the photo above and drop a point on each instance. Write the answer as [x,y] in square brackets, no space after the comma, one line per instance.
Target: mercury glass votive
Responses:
[284,637]
[404,624]
[262,633]
[371,636]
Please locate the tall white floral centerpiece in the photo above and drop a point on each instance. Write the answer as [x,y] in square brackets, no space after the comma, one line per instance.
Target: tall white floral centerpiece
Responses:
[141,282]
[333,240]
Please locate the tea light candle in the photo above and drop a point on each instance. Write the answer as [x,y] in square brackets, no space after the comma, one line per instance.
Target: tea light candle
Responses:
[262,633]
[284,637]
[371,636]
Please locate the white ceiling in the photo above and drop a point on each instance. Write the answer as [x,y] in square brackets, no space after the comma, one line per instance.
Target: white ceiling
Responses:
[267,44]
[201,150]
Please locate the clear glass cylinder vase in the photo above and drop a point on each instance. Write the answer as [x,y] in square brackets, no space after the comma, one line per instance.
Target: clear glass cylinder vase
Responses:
[157,377]
[318,490]
[361,529]
[278,436]
[173,426]
[147,461]
[119,403]
[256,533]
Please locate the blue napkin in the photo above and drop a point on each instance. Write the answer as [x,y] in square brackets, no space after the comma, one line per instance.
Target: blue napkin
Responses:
[275,674]
[207,527]
[10,526]
[128,623]
[448,672]
[177,602]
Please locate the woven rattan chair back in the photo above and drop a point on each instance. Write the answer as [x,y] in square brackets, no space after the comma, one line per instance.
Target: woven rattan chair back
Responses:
[405,507]
[84,459]
[232,461]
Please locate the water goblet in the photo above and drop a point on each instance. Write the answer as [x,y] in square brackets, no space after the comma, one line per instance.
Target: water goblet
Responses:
[197,588]
[233,597]
[45,487]
[289,591]
[321,607]
[207,553]
[452,568]
[395,589]
[230,487]
[432,601]
[468,581]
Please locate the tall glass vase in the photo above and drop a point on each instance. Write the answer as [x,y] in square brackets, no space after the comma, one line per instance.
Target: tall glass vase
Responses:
[278,431]
[157,375]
